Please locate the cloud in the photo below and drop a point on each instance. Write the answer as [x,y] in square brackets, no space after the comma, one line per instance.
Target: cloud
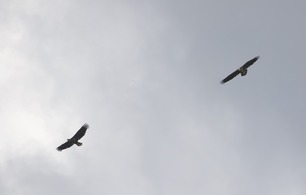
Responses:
[145,76]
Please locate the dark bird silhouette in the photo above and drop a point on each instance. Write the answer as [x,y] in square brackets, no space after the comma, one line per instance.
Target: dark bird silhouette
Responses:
[242,70]
[75,139]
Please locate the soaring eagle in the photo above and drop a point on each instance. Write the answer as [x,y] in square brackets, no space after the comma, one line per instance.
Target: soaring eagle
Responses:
[242,70]
[75,139]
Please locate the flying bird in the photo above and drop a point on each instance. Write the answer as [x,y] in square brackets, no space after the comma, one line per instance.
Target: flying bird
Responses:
[242,70]
[75,139]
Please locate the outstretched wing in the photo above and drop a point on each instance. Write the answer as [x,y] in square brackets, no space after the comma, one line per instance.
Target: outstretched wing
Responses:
[81,132]
[230,77]
[64,146]
[250,62]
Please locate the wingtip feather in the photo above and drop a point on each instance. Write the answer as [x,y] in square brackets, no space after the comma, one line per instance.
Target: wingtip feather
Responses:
[86,125]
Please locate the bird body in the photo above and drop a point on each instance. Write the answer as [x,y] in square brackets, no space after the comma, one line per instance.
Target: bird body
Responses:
[75,139]
[243,71]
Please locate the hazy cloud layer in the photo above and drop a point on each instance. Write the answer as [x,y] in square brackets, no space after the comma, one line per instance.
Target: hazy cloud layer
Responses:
[145,76]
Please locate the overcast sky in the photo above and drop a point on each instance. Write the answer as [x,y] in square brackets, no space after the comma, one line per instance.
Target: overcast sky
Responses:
[145,75]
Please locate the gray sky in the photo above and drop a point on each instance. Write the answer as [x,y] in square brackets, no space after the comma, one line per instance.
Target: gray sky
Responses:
[145,76]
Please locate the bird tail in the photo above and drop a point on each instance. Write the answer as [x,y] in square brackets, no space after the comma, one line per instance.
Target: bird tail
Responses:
[78,143]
